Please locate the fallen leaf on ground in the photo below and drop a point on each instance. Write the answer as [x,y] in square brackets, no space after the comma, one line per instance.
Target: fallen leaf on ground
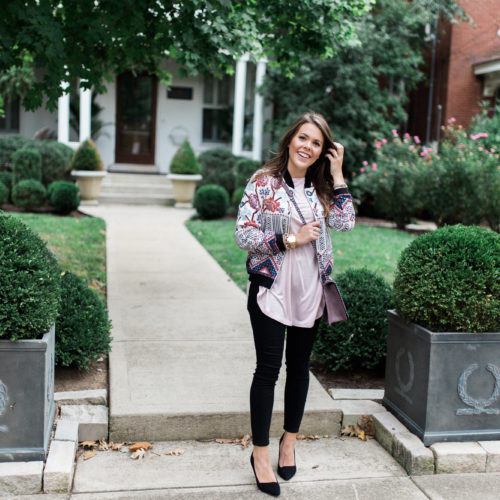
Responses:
[138,454]
[140,445]
[350,431]
[366,423]
[175,452]
[362,436]
[89,444]
[315,466]
[116,446]
[244,440]
[79,453]
[103,446]
[89,454]
[300,436]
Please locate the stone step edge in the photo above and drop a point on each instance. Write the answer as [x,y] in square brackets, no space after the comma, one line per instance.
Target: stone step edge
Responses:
[85,397]
[409,450]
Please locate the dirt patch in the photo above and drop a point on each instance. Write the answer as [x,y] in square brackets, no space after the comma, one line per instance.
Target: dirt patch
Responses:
[362,379]
[72,379]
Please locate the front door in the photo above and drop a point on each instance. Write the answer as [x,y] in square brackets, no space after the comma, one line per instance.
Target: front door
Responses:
[135,118]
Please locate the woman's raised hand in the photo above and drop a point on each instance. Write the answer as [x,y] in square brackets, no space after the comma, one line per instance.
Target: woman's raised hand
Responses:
[308,232]
[336,157]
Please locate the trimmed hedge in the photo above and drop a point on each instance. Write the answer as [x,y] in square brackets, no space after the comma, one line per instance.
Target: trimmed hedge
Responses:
[448,280]
[6,179]
[211,201]
[245,168]
[29,194]
[26,164]
[184,161]
[4,193]
[361,341]
[29,282]
[217,167]
[56,160]
[237,196]
[82,327]
[64,196]
[10,144]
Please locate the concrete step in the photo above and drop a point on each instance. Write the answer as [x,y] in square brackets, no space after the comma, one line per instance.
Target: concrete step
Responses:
[137,188]
[136,199]
[136,179]
[330,468]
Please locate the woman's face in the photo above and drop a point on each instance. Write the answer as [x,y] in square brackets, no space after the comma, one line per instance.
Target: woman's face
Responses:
[304,149]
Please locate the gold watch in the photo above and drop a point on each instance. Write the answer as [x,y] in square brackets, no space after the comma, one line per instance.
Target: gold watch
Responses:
[290,241]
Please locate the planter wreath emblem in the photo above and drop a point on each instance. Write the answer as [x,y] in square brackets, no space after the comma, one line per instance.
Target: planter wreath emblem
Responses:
[3,404]
[478,406]
[403,388]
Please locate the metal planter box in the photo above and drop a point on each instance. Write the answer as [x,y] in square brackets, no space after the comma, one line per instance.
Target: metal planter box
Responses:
[26,398]
[443,386]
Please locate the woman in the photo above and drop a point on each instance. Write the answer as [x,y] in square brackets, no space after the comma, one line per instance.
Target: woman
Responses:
[289,258]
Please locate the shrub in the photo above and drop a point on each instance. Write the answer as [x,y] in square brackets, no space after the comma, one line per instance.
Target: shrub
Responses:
[184,161]
[29,282]
[10,144]
[26,164]
[237,196]
[64,196]
[29,194]
[82,326]
[245,168]
[211,201]
[487,125]
[4,193]
[361,341]
[217,167]
[86,157]
[56,160]
[6,179]
[390,182]
[447,280]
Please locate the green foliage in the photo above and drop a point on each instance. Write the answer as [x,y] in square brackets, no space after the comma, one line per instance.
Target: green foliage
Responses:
[64,196]
[237,196]
[286,32]
[487,122]
[211,201]
[56,160]
[184,161]
[447,280]
[82,326]
[10,144]
[29,282]
[390,183]
[4,193]
[26,164]
[217,167]
[361,341]
[87,157]
[245,168]
[6,180]
[362,91]
[29,194]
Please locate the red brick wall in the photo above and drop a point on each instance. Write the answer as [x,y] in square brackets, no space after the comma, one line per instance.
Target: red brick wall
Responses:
[470,45]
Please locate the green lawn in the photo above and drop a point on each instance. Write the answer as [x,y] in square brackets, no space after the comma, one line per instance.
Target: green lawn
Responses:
[376,248]
[78,243]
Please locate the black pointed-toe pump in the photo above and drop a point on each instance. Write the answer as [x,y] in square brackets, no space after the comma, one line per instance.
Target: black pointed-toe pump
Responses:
[288,471]
[269,488]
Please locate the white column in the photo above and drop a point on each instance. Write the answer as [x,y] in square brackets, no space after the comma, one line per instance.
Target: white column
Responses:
[239,104]
[258,109]
[63,115]
[85,112]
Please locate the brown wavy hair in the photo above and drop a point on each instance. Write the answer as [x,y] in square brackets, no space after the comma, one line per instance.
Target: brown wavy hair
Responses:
[319,171]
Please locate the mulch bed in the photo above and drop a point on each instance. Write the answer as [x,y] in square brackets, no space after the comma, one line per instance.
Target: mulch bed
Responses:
[360,379]
[72,379]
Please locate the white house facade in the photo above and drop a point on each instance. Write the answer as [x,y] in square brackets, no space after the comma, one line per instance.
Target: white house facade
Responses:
[145,121]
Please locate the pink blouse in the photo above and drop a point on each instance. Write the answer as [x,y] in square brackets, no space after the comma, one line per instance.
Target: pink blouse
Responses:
[296,296]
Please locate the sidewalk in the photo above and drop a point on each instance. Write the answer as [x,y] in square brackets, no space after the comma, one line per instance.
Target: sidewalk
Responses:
[180,369]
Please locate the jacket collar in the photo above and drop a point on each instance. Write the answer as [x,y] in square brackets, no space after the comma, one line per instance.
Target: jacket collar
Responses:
[289,180]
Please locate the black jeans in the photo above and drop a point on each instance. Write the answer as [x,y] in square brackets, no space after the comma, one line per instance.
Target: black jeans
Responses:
[269,339]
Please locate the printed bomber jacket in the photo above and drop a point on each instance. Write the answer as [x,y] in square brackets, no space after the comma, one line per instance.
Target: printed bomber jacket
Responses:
[264,216]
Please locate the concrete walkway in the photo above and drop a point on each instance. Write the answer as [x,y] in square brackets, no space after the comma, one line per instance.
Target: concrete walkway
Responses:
[182,356]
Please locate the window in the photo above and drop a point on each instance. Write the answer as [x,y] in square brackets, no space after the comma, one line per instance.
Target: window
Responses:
[217,109]
[9,122]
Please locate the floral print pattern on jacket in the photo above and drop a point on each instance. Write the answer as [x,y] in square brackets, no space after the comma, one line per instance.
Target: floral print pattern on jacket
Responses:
[264,216]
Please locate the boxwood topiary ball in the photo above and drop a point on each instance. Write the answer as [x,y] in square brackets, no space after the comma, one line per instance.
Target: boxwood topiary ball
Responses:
[211,201]
[82,327]
[64,196]
[361,341]
[29,282]
[29,194]
[448,280]
[4,193]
